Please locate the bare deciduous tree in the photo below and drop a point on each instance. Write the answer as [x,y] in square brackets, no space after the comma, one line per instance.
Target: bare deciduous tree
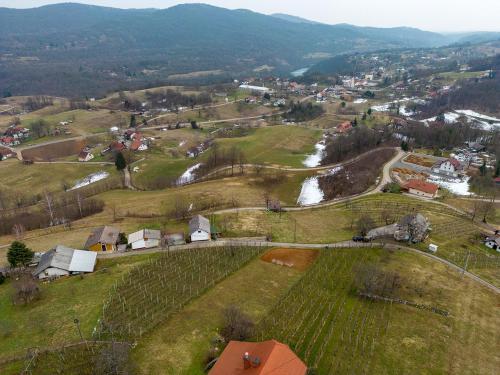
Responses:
[25,287]
[237,325]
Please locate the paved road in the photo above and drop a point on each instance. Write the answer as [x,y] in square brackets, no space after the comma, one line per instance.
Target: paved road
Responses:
[305,169]
[331,246]
[377,189]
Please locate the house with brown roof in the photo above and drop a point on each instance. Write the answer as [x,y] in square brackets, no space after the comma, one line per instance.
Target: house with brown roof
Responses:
[421,188]
[103,239]
[84,156]
[449,167]
[344,127]
[258,358]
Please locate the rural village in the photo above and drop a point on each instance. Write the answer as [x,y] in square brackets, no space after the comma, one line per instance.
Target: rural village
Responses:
[340,218]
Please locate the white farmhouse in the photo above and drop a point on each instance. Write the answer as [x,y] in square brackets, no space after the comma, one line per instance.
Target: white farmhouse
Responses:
[144,239]
[199,228]
[64,261]
[450,167]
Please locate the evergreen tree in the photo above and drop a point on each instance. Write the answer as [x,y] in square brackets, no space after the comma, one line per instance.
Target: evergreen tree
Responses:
[19,255]
[404,146]
[482,168]
[133,121]
[369,112]
[120,162]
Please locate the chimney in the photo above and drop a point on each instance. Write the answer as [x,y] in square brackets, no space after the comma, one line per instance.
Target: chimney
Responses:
[246,361]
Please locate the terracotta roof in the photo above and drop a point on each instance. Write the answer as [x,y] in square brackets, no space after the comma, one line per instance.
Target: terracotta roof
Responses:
[421,185]
[135,145]
[344,126]
[275,358]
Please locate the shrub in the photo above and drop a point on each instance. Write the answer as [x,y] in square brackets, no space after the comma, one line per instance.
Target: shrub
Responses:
[237,325]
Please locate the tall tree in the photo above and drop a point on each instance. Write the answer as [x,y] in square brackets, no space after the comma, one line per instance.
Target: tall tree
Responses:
[19,255]
[120,162]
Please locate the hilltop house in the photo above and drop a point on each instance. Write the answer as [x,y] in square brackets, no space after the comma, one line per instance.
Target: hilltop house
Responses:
[103,239]
[421,188]
[144,239]
[199,229]
[84,156]
[258,358]
[449,167]
[344,127]
[64,261]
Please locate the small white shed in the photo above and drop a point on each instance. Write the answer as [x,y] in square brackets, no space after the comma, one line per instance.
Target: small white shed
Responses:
[433,248]
[144,239]
[199,229]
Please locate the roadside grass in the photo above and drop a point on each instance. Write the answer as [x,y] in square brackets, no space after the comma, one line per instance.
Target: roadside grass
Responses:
[48,321]
[180,345]
[336,332]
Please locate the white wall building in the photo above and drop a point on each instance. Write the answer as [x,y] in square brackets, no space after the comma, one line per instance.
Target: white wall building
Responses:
[199,229]
[144,239]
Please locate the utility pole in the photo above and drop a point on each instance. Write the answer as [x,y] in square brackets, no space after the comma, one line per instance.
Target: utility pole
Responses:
[295,230]
[466,263]
[77,322]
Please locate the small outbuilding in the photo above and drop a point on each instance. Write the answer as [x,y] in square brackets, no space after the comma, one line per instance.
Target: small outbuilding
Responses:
[174,239]
[493,243]
[103,239]
[144,239]
[421,188]
[433,248]
[64,261]
[199,229]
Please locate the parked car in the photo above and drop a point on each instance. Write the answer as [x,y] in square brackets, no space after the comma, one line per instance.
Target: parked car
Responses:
[358,239]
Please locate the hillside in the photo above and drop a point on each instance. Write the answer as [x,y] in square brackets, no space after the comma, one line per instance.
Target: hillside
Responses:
[97,49]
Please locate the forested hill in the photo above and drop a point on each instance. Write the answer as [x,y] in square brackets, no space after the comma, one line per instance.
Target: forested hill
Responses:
[74,49]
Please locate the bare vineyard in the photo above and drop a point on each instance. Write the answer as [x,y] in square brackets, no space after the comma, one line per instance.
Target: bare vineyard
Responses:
[152,292]
[331,329]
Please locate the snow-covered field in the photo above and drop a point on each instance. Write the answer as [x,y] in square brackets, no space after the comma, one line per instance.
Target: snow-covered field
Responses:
[456,186]
[486,122]
[311,193]
[314,160]
[188,176]
[360,101]
[90,179]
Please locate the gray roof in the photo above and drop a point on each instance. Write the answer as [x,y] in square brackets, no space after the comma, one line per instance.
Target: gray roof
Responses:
[67,259]
[105,234]
[152,234]
[199,222]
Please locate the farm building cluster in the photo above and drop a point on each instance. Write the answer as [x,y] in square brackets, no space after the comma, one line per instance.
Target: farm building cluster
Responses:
[65,261]
[14,135]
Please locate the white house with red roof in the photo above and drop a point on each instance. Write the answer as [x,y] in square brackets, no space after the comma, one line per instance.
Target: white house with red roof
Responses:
[449,167]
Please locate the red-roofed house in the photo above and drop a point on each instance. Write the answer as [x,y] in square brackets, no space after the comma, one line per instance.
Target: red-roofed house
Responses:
[137,145]
[344,127]
[449,167]
[421,188]
[258,358]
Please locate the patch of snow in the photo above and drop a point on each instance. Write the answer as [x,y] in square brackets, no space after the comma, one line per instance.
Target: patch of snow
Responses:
[188,176]
[310,193]
[456,185]
[360,101]
[314,160]
[90,179]
[182,143]
[468,112]
[335,170]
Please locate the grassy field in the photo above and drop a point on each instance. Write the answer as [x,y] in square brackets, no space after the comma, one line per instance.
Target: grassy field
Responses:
[278,145]
[36,178]
[49,321]
[179,346]
[336,332]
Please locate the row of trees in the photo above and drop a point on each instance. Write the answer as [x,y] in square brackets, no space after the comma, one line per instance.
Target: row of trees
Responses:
[356,142]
